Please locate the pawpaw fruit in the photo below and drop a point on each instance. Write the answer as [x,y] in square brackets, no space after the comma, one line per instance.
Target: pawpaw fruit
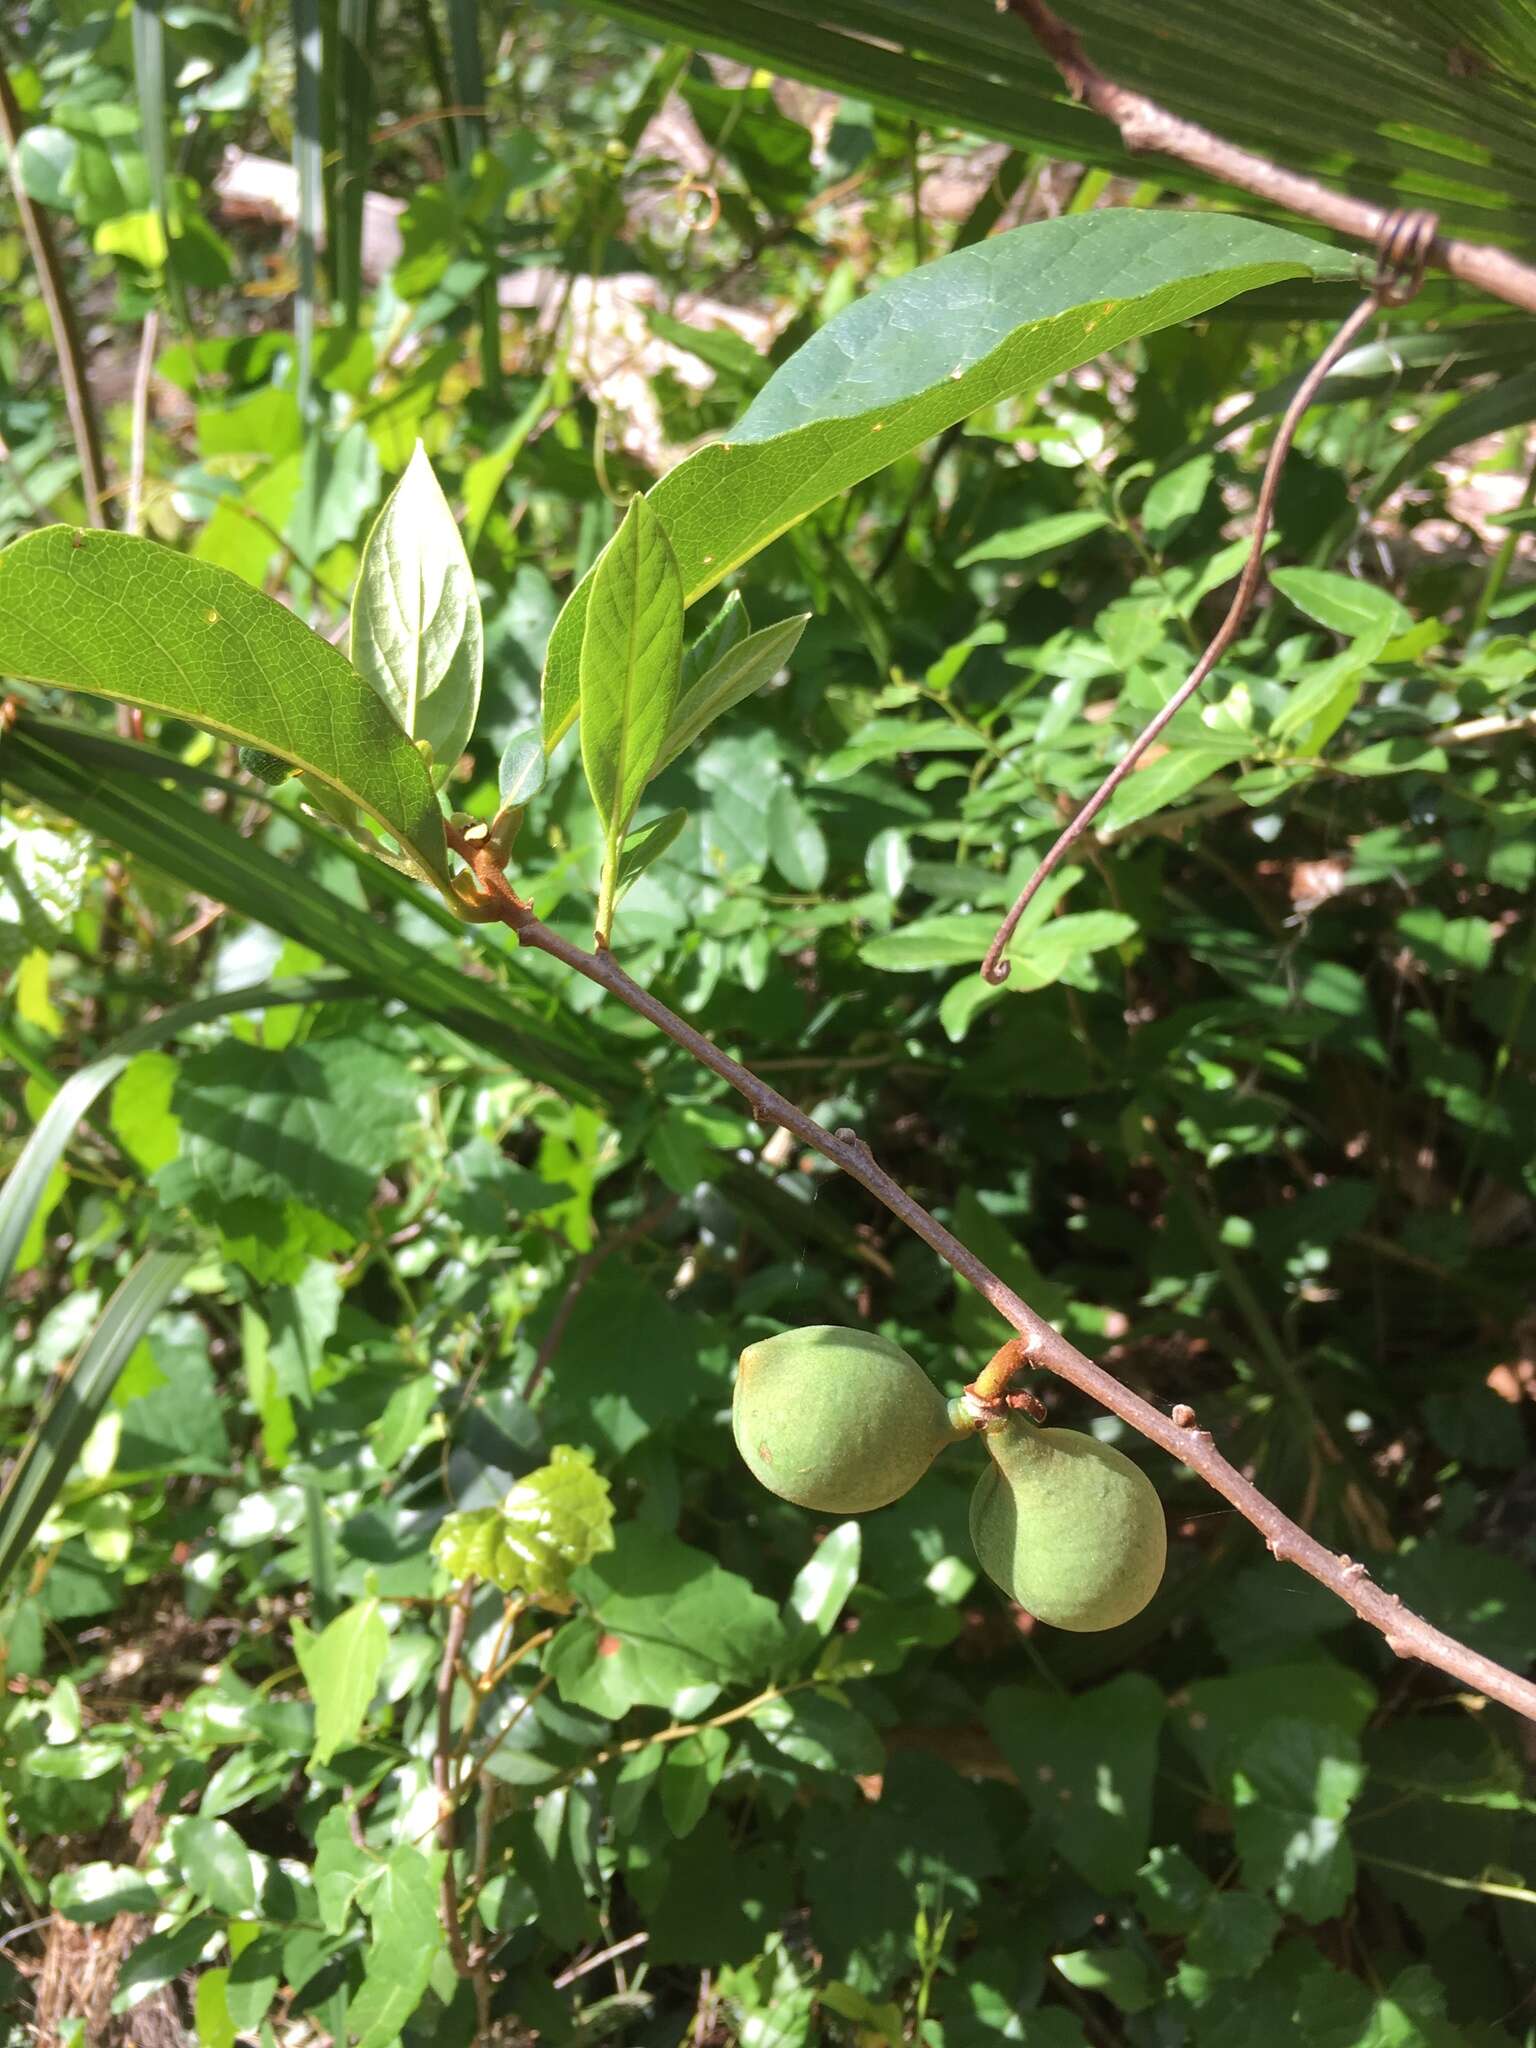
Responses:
[839,1420]
[1067,1526]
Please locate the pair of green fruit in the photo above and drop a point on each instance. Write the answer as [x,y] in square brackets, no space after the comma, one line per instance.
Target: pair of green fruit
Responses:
[843,1421]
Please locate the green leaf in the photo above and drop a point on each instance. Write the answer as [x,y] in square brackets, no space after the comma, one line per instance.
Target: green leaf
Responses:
[727,629]
[341,1668]
[1086,1775]
[1121,1974]
[524,766]
[1037,537]
[822,1732]
[631,656]
[1293,1786]
[889,372]
[796,841]
[94,1892]
[407,1937]
[215,1862]
[321,1120]
[690,1771]
[669,1627]
[555,1519]
[745,666]
[1343,603]
[119,617]
[28,1178]
[827,1577]
[416,632]
[641,848]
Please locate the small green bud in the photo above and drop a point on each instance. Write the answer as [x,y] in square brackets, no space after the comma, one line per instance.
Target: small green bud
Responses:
[265,767]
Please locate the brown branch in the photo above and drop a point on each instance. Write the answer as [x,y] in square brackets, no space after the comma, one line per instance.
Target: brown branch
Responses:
[442,1779]
[995,968]
[1407,1634]
[61,318]
[1146,127]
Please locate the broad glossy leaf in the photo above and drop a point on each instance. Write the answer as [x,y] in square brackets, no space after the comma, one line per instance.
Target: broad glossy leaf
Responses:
[631,656]
[119,617]
[906,362]
[416,631]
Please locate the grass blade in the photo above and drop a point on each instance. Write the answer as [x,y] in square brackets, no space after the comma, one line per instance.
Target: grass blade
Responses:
[102,784]
[48,1456]
[354,150]
[466,72]
[308,162]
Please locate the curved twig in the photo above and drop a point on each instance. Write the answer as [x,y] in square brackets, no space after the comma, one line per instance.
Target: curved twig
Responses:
[1145,126]
[995,968]
[1407,1634]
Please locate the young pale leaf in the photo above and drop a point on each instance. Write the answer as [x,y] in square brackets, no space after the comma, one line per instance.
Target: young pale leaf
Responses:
[416,631]
[631,657]
[896,368]
[119,617]
[341,1667]
[742,669]
[729,625]
[559,1517]
[524,765]
[648,844]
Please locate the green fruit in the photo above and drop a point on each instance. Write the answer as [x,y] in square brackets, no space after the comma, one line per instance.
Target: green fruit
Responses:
[1067,1526]
[264,766]
[837,1419]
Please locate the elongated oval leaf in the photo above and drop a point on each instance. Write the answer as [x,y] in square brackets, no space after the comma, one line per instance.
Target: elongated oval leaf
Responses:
[900,366]
[119,617]
[631,657]
[416,630]
[743,668]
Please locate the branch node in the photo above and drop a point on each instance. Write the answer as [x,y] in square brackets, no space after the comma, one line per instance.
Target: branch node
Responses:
[1353,1573]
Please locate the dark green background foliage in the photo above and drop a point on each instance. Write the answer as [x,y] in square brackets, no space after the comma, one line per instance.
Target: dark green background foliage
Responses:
[1253,1121]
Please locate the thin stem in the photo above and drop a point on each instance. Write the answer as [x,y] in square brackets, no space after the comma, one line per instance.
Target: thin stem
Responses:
[447,1814]
[1144,125]
[995,968]
[143,371]
[1407,1634]
[78,402]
